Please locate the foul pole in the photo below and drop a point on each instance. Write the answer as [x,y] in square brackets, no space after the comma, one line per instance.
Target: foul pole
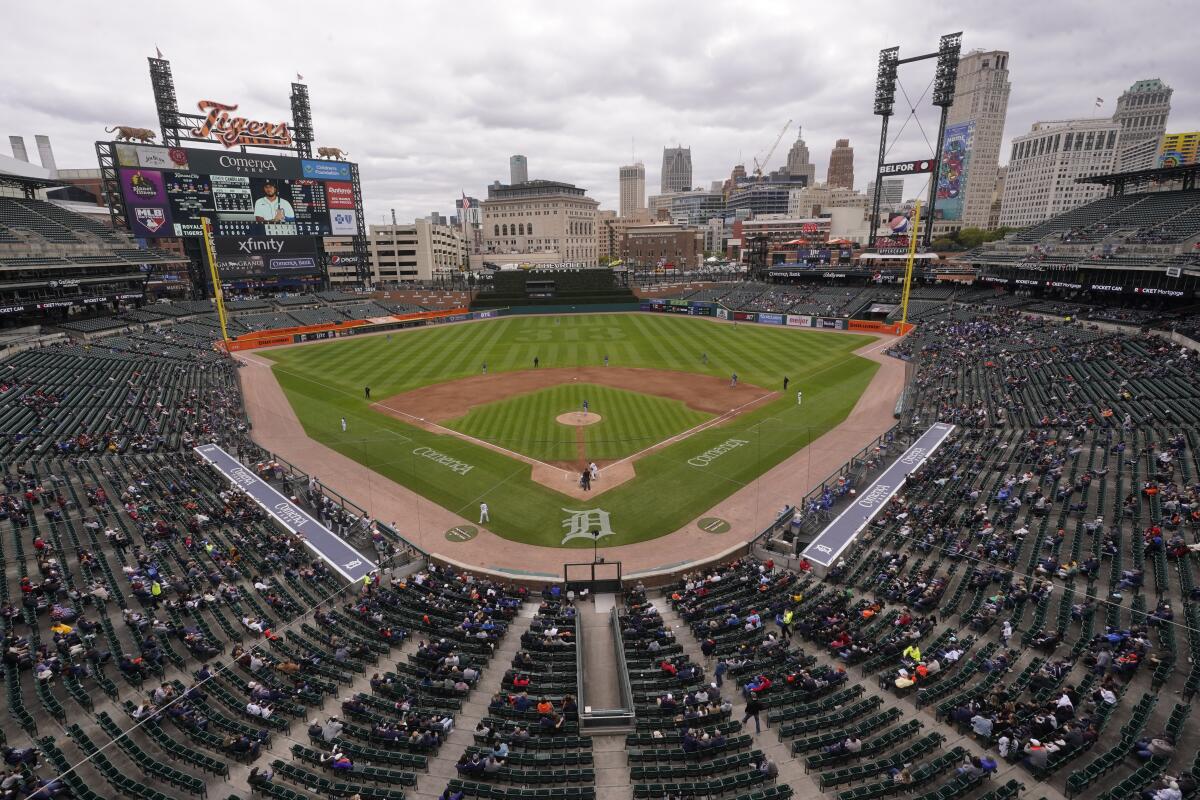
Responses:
[211,255]
[908,268]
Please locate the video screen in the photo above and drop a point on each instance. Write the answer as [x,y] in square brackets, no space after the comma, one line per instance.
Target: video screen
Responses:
[167,191]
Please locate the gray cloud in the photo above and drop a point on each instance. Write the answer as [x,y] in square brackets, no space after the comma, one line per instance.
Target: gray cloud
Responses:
[431,99]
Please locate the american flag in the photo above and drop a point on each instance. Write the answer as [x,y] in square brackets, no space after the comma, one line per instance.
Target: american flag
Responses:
[1099,102]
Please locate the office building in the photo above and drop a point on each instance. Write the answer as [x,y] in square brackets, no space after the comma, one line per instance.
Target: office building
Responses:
[841,165]
[819,200]
[997,199]
[610,227]
[541,216]
[1142,112]
[663,244]
[695,207]
[633,188]
[607,242]
[676,169]
[981,103]
[518,170]
[1044,164]
[799,165]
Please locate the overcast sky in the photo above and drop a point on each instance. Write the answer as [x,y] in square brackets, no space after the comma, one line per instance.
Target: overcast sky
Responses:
[431,98]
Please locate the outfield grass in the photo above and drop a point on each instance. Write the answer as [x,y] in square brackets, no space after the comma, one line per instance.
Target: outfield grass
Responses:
[324,382]
[630,422]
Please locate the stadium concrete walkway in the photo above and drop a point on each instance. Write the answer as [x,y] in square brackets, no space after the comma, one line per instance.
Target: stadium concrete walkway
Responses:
[749,510]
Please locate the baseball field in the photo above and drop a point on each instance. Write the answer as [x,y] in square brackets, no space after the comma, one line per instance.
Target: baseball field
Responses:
[461,415]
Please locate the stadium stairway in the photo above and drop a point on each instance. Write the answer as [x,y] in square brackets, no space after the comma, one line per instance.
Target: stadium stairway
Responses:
[791,768]
[474,709]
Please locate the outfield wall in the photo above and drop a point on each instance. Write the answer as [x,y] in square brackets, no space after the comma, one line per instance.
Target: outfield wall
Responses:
[700,309]
[335,330]
[592,308]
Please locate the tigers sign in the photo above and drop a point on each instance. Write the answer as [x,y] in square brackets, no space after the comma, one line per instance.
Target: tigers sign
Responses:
[237,131]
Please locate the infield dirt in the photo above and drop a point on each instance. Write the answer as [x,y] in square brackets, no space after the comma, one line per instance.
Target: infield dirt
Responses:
[443,401]
[429,406]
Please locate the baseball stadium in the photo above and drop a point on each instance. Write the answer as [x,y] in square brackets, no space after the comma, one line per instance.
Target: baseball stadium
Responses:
[830,520]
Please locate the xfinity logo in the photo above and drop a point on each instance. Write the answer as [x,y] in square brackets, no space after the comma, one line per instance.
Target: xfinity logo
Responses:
[261,245]
[248,164]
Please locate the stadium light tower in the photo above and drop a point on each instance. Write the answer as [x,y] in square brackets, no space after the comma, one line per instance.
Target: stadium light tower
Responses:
[886,78]
[885,105]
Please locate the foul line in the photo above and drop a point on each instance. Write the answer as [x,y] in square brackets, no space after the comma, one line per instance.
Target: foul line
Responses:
[730,414]
[472,439]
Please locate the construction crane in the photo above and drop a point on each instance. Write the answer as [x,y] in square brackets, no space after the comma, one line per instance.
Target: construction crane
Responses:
[759,167]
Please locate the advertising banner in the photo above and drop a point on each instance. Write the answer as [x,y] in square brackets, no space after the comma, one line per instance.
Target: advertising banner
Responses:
[722,313]
[744,316]
[952,175]
[325,170]
[799,320]
[244,256]
[254,165]
[343,222]
[146,202]
[339,195]
[830,324]
[770,319]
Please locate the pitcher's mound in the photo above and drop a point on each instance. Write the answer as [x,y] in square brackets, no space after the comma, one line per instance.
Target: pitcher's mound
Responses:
[578,418]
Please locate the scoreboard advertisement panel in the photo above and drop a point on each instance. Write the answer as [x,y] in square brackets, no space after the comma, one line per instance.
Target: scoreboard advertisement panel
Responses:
[168,190]
[259,256]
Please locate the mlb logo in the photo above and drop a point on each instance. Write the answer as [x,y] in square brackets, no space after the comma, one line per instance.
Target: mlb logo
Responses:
[150,218]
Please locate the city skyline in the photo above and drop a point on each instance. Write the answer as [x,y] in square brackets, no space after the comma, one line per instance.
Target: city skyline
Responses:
[432,121]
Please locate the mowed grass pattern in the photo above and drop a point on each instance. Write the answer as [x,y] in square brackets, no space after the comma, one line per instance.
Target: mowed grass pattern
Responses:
[630,422]
[325,382]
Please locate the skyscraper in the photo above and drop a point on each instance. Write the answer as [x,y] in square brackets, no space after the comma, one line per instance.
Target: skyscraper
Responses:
[676,169]
[980,104]
[841,165]
[1041,178]
[518,170]
[798,162]
[633,188]
[891,196]
[1142,112]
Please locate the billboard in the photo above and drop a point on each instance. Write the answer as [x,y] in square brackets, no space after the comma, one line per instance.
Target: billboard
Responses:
[167,191]
[907,167]
[1178,149]
[952,175]
[283,256]
[899,227]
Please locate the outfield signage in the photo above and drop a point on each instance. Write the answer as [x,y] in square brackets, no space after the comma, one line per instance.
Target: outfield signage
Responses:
[453,464]
[770,319]
[334,550]
[713,453]
[799,320]
[838,535]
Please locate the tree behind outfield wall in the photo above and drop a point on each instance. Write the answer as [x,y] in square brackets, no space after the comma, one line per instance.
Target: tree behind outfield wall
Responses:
[967,238]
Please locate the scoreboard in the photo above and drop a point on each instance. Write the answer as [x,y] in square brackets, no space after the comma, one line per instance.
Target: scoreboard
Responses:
[167,192]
